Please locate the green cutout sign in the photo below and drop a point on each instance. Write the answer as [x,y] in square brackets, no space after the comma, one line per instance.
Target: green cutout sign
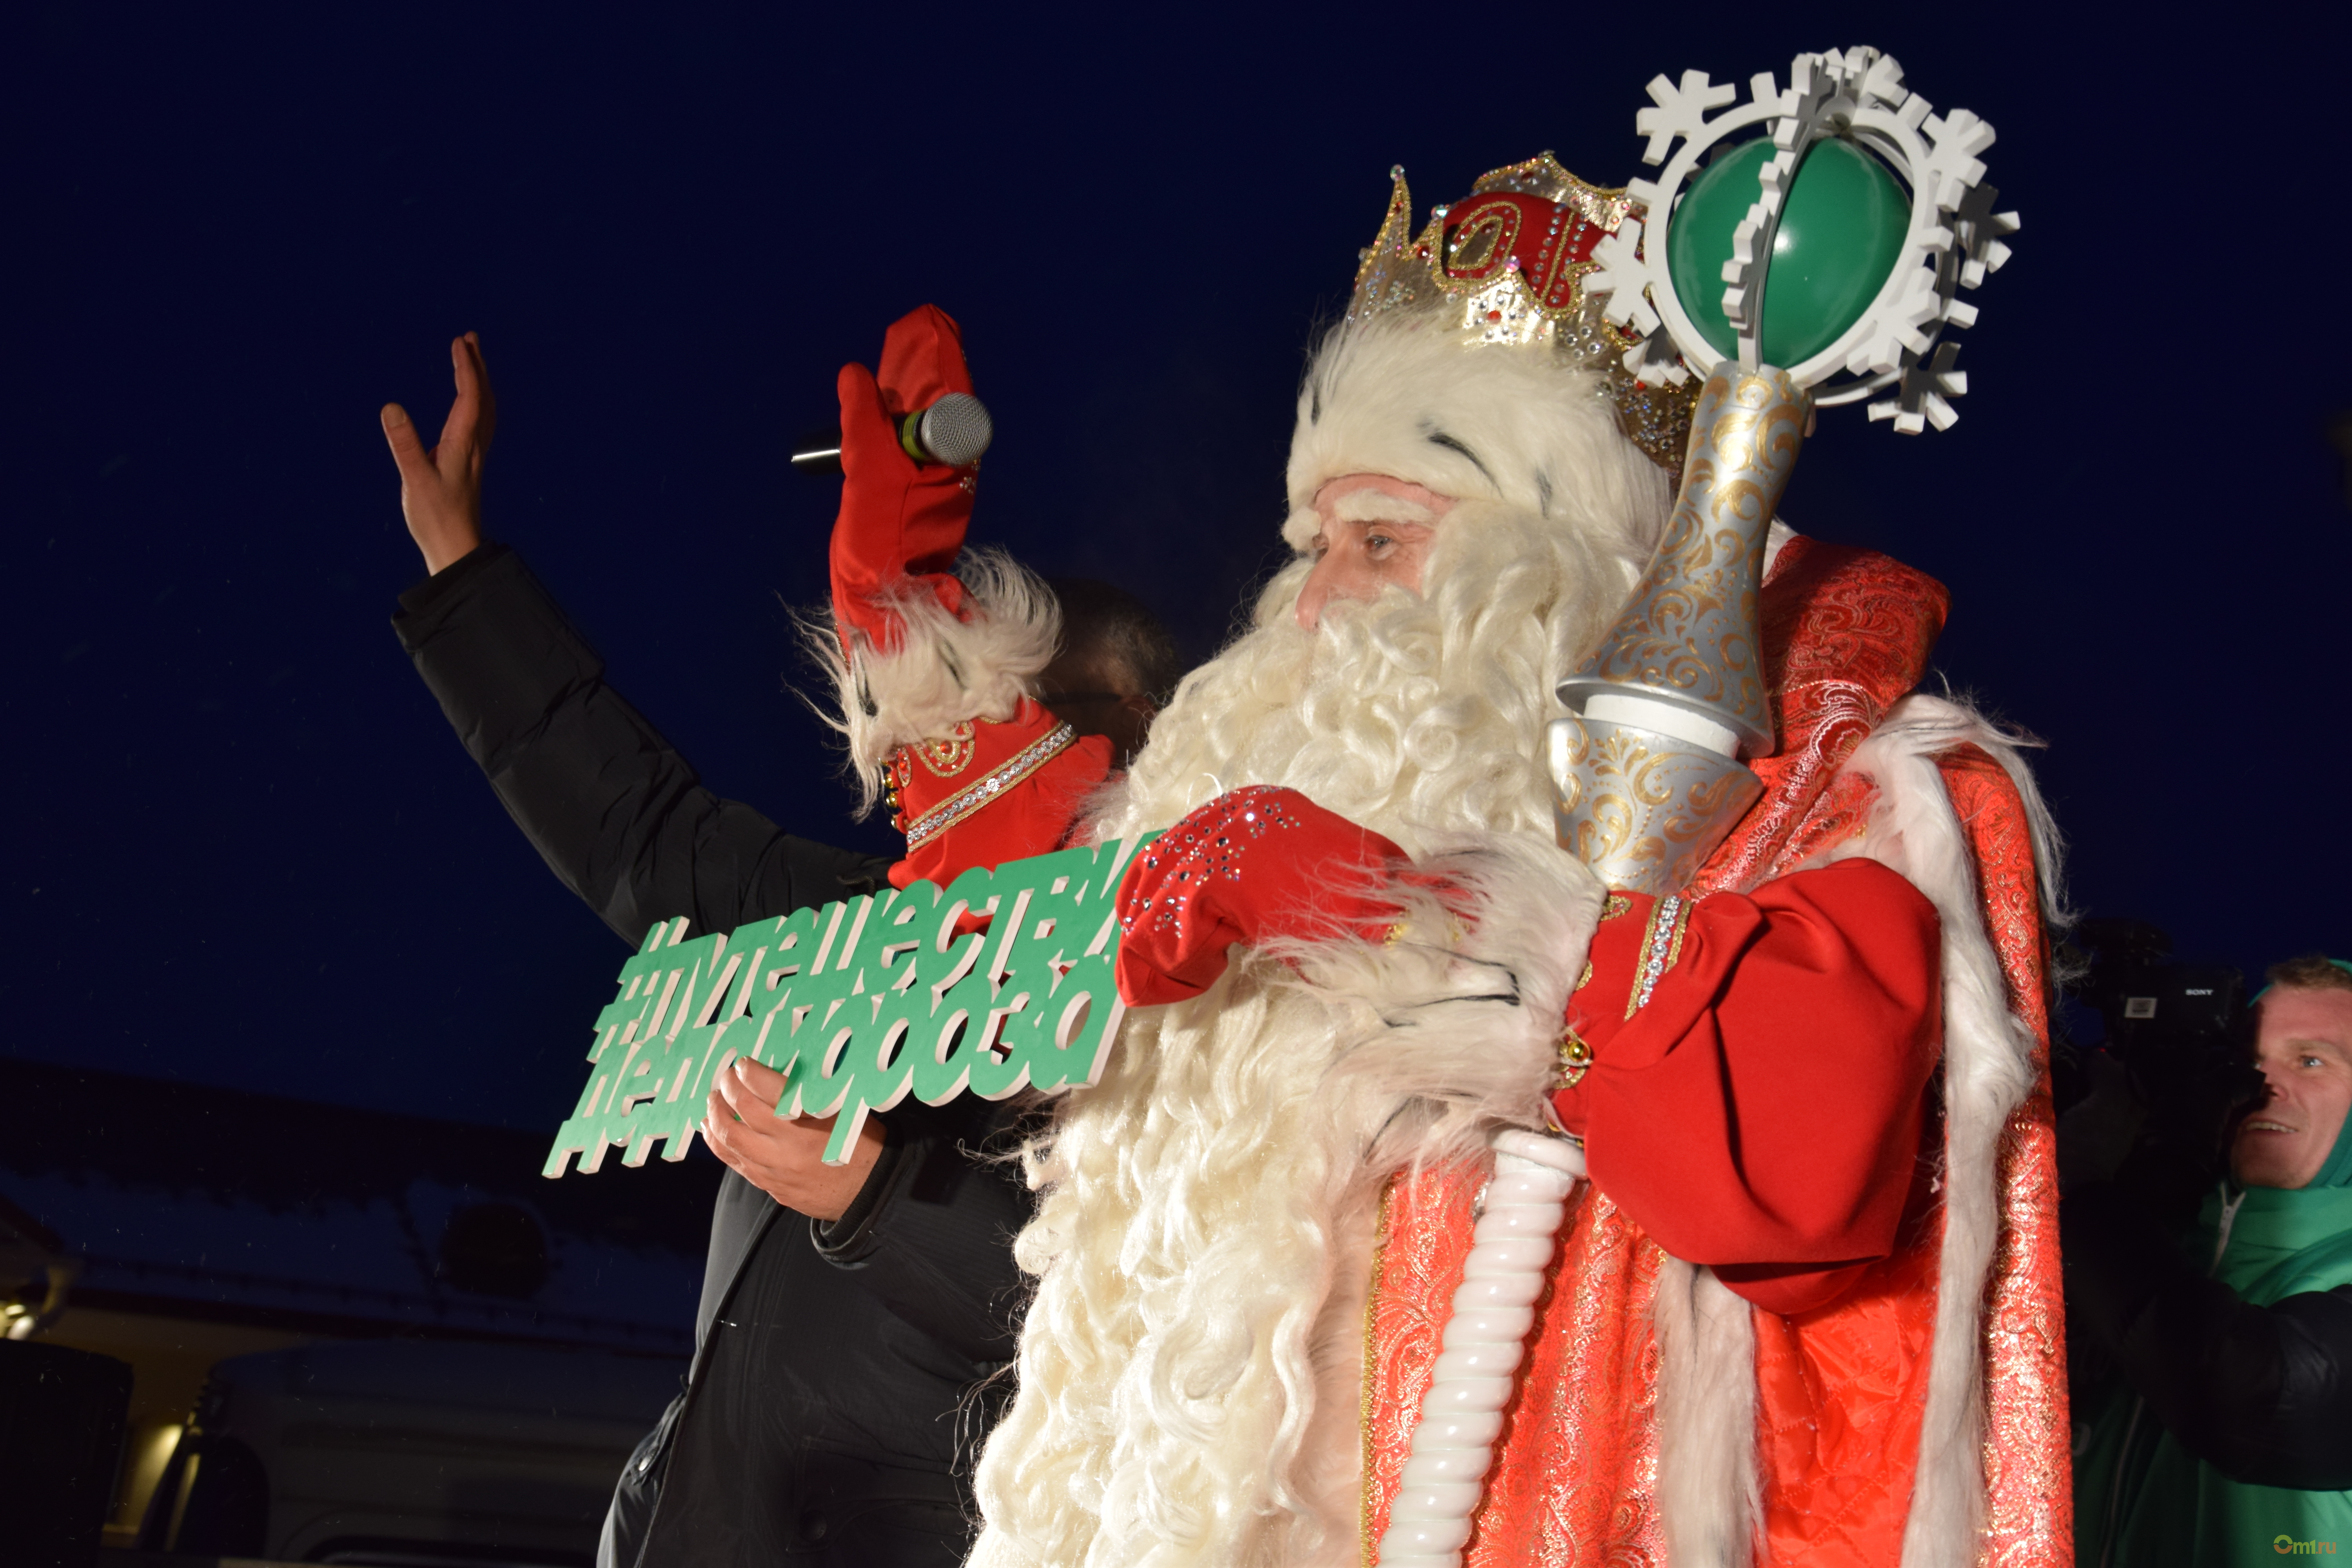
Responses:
[998,983]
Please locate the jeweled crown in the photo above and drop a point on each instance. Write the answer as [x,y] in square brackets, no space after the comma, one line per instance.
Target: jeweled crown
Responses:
[1508,264]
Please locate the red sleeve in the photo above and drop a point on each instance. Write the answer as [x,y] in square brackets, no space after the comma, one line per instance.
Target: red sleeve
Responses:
[1755,1069]
[900,522]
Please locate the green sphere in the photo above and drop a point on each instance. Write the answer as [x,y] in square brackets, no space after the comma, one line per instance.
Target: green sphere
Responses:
[1839,235]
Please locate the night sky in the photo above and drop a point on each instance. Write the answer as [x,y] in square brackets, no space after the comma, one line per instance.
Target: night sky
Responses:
[243,847]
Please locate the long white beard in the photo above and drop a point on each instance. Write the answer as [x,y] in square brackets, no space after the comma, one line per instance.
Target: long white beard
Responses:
[1420,717]
[1191,1366]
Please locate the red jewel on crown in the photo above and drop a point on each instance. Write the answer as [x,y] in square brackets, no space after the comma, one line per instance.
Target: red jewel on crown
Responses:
[1509,231]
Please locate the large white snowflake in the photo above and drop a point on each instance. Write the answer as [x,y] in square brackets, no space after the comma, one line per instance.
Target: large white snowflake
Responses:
[1681,111]
[1921,390]
[1954,240]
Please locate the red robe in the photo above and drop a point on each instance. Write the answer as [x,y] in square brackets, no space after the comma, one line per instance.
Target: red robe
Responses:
[1799,1006]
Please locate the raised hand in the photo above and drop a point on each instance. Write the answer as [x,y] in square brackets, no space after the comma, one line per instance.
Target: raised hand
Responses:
[441,490]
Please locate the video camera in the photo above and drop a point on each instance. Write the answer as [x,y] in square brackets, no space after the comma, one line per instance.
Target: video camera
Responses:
[2162,1015]
[2179,1031]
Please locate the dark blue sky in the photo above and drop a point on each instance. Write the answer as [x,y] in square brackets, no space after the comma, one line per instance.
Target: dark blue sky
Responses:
[243,847]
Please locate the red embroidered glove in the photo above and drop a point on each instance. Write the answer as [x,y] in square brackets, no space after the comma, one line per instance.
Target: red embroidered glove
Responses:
[900,522]
[1252,866]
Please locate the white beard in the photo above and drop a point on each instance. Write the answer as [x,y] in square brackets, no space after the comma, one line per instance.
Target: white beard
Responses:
[1191,1373]
[1190,1369]
[1420,717]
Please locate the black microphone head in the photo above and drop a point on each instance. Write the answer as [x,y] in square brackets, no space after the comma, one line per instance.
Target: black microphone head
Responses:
[956,430]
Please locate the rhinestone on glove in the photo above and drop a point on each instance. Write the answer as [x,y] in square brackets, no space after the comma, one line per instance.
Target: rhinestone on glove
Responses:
[1201,848]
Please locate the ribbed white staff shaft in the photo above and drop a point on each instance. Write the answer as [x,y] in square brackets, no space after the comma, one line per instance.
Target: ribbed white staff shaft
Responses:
[1478,1355]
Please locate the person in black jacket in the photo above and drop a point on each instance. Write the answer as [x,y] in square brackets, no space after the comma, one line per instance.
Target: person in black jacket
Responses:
[849,1314]
[2228,1418]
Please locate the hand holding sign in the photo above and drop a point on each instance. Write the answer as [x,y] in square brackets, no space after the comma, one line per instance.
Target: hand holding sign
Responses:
[783,1158]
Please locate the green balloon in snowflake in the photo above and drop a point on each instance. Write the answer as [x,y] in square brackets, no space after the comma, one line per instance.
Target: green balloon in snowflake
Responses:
[1830,238]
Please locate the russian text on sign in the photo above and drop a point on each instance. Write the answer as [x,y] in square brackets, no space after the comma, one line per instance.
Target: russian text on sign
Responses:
[998,983]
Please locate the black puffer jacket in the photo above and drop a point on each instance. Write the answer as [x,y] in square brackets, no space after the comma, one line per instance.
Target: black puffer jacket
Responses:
[840,1373]
[2261,1394]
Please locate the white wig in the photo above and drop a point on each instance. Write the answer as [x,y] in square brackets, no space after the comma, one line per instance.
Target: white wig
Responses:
[945,668]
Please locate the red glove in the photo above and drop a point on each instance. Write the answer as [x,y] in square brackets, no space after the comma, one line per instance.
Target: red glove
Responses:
[1253,865]
[900,523]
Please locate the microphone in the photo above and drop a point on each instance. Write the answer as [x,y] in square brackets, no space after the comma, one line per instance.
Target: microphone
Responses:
[955,431]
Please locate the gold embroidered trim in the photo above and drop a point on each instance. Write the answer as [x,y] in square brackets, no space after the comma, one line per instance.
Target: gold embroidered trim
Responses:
[1364,1542]
[1616,904]
[1585,979]
[999,779]
[949,757]
[1662,944]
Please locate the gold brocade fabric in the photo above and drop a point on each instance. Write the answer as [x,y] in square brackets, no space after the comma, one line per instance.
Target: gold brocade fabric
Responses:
[1575,1477]
[2028,1463]
[1846,634]
[1425,1236]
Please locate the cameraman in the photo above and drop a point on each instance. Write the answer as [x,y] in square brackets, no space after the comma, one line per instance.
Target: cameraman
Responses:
[2229,1436]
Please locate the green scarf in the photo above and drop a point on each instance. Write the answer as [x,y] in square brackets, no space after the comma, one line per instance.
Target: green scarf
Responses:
[2172,1509]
